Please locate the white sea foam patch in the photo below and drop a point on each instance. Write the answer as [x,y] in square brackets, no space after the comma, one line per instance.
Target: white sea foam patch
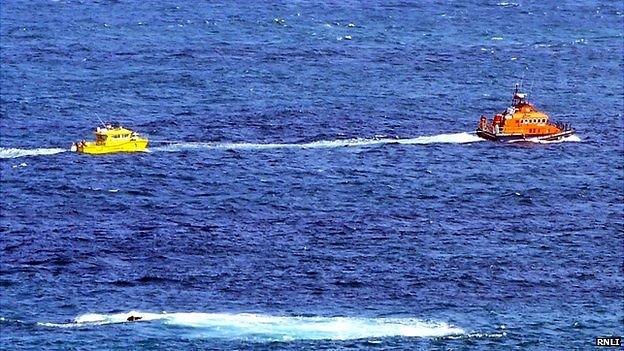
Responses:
[308,328]
[276,328]
[456,138]
[7,152]
[101,319]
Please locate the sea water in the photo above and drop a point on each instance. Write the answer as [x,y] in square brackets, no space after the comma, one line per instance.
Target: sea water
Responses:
[313,180]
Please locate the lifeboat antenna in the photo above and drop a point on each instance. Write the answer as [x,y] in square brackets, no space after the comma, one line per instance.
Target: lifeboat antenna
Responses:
[98,117]
[529,90]
[513,98]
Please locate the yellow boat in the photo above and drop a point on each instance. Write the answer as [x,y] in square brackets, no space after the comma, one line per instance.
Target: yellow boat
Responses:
[111,139]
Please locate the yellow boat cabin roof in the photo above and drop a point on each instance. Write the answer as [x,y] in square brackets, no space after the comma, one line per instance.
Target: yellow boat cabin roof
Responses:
[114,131]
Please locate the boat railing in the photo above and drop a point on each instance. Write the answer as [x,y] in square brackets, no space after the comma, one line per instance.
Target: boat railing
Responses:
[563,126]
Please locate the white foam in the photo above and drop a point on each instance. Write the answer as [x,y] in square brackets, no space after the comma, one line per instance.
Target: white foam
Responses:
[572,138]
[276,328]
[7,152]
[455,138]
[102,319]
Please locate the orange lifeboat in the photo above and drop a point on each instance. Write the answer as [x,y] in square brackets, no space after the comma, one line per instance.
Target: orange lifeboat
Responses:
[522,121]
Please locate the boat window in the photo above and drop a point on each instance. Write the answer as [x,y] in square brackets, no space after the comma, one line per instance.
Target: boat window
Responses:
[100,139]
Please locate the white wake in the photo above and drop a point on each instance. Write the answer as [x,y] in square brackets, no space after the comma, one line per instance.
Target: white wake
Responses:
[455,138]
[452,138]
[275,328]
[8,152]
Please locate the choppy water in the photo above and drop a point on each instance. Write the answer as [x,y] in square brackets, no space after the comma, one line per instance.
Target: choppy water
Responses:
[304,190]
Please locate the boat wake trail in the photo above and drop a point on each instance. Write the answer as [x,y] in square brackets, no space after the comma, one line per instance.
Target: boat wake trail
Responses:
[274,328]
[7,152]
[455,138]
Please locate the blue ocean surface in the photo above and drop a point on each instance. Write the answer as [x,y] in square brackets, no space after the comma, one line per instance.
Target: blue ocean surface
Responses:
[313,179]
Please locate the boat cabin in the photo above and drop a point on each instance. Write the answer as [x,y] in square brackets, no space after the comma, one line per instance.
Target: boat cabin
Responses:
[520,118]
[112,133]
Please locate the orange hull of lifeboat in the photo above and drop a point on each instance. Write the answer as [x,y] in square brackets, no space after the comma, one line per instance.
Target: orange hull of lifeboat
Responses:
[522,121]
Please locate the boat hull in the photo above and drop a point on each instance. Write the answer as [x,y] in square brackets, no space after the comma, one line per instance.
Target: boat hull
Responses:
[523,137]
[94,149]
